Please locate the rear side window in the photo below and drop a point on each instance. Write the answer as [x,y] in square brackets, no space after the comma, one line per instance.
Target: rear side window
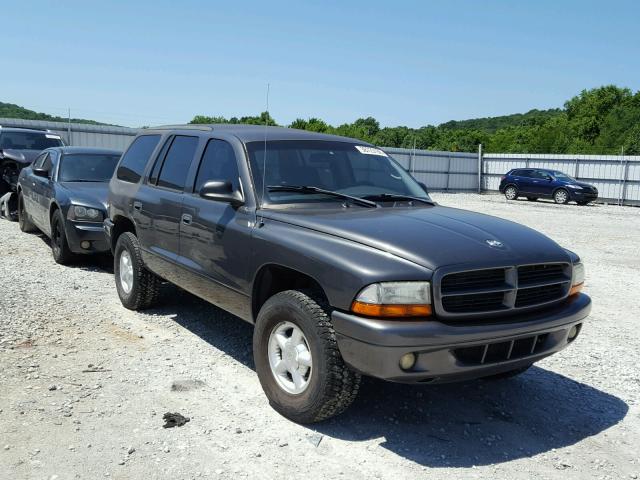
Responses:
[136,157]
[218,163]
[177,162]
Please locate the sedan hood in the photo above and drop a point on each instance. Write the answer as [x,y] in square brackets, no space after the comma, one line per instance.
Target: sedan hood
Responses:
[432,236]
[24,157]
[90,194]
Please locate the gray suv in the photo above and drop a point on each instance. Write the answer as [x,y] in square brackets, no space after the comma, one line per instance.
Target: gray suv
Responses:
[341,260]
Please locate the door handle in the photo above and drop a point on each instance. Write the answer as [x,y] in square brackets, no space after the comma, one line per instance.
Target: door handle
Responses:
[186,219]
[137,206]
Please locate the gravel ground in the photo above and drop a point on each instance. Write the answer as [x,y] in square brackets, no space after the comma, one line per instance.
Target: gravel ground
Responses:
[84,383]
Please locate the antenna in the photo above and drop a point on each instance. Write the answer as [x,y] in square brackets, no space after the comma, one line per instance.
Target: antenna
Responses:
[264,158]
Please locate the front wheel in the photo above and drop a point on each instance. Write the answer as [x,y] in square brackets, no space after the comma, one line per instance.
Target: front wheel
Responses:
[23,217]
[137,287]
[561,196]
[297,359]
[62,254]
[511,192]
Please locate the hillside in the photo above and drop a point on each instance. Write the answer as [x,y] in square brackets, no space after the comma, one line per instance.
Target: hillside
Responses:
[10,110]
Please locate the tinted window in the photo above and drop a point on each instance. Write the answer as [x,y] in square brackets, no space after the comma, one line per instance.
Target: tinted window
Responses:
[29,140]
[176,164]
[153,177]
[540,174]
[37,163]
[218,163]
[524,173]
[136,157]
[81,167]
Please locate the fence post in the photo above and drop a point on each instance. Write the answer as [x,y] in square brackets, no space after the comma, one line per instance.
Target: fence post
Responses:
[625,175]
[479,168]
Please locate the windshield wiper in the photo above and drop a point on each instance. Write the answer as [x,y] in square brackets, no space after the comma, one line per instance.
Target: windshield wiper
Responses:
[307,189]
[394,196]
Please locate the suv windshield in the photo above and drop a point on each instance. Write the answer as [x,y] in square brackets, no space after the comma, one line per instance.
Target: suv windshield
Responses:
[83,167]
[563,176]
[28,140]
[346,168]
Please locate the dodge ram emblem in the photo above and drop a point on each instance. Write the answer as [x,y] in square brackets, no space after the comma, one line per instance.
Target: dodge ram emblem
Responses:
[494,243]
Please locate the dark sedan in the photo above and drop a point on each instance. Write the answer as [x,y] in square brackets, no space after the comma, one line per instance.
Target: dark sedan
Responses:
[534,183]
[64,194]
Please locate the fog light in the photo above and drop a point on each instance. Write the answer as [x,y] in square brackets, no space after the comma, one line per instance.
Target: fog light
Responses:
[573,332]
[85,244]
[407,361]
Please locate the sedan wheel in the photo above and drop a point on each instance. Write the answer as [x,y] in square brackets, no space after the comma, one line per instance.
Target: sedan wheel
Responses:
[561,196]
[511,193]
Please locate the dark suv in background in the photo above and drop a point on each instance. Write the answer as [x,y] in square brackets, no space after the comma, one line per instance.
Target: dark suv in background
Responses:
[341,260]
[535,183]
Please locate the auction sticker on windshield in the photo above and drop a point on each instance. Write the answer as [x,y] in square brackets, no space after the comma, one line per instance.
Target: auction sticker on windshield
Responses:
[370,150]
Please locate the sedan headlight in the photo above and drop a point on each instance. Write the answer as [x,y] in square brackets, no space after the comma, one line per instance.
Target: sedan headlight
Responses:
[394,299]
[575,187]
[577,278]
[85,214]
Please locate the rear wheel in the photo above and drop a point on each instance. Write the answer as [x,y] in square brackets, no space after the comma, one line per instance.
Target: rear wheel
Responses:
[511,192]
[138,288]
[297,359]
[59,245]
[561,196]
[23,217]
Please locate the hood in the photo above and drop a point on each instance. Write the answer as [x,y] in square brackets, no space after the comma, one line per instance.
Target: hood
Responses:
[432,236]
[24,157]
[90,194]
[581,184]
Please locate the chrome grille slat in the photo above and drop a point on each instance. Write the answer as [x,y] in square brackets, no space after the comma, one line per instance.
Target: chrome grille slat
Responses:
[496,290]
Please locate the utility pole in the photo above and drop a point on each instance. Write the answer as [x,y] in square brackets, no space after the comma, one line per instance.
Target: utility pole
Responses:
[69,125]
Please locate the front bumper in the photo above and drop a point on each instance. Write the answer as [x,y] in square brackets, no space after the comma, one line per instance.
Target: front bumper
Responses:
[582,196]
[79,232]
[374,347]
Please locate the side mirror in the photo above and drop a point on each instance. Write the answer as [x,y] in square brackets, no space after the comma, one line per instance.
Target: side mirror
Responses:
[424,187]
[221,191]
[41,172]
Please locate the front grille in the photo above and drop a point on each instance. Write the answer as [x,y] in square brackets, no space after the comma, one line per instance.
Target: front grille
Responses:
[473,303]
[538,295]
[501,351]
[474,279]
[532,274]
[495,290]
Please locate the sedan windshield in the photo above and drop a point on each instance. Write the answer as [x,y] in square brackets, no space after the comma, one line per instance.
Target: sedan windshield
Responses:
[84,167]
[28,141]
[340,167]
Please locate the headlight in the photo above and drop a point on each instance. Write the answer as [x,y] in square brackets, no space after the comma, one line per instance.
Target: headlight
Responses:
[577,278]
[394,299]
[575,187]
[85,214]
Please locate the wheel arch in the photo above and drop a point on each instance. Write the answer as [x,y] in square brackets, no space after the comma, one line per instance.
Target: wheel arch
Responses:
[121,224]
[273,278]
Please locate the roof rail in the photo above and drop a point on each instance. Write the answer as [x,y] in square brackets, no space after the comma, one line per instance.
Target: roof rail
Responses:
[202,127]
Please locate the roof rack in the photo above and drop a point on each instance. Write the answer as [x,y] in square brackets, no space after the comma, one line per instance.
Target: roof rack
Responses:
[201,127]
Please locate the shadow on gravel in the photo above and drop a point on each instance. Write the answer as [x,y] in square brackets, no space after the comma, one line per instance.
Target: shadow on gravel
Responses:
[458,425]
[102,262]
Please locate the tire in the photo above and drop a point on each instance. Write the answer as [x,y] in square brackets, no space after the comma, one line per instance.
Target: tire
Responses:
[508,374]
[561,196]
[511,193]
[59,245]
[23,217]
[138,288]
[329,385]
[532,199]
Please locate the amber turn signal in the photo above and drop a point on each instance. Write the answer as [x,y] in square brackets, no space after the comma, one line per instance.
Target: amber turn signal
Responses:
[390,311]
[576,289]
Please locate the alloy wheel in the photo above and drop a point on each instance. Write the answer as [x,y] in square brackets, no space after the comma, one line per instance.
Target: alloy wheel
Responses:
[290,358]
[126,272]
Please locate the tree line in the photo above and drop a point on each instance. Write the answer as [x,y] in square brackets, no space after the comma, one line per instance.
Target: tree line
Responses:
[604,120]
